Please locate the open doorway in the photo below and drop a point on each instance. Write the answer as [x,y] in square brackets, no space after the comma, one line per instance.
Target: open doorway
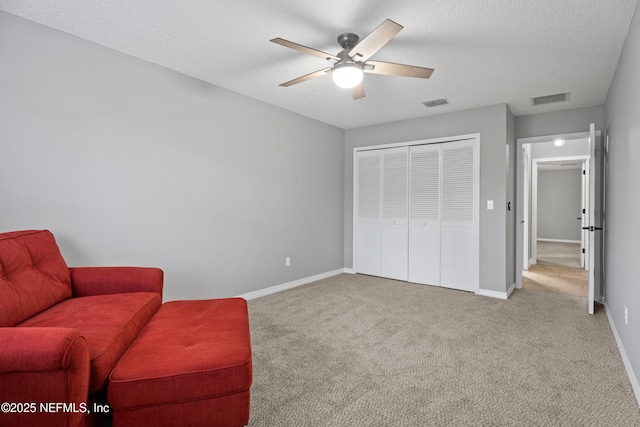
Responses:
[556,197]
[593,224]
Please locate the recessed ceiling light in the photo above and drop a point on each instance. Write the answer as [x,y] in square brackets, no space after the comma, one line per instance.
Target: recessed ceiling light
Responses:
[558,142]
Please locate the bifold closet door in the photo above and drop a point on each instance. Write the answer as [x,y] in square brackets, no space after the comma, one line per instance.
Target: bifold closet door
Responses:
[417,214]
[395,203]
[459,216]
[368,212]
[424,214]
[382,213]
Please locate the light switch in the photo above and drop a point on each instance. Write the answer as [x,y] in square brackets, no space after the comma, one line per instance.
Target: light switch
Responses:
[490,204]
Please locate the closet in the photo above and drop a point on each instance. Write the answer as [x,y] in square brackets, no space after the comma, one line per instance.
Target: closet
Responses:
[416,213]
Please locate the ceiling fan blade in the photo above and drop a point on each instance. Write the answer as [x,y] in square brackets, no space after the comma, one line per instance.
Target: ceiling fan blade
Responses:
[306,77]
[375,40]
[305,49]
[393,69]
[358,91]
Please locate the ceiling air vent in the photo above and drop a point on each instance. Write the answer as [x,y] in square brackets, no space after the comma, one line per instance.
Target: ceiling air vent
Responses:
[435,102]
[549,99]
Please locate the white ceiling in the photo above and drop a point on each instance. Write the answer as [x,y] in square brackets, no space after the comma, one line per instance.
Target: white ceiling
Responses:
[484,51]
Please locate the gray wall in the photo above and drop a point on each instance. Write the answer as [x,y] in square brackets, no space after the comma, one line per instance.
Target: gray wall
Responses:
[559,204]
[622,237]
[128,163]
[491,123]
[560,122]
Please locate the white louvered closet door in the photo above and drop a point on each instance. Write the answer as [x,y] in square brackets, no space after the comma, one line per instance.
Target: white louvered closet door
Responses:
[459,246]
[368,212]
[394,229]
[424,214]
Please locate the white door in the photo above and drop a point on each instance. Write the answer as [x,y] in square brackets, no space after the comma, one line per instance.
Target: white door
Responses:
[526,163]
[368,212]
[584,223]
[424,214]
[395,207]
[459,245]
[595,213]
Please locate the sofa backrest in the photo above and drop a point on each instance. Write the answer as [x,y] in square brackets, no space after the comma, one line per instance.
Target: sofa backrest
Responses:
[33,275]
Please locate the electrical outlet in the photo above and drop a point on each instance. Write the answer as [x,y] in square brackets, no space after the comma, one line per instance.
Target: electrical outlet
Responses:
[489,204]
[287,261]
[626,315]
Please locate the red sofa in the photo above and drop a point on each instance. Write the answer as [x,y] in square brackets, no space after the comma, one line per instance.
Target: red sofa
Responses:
[62,330]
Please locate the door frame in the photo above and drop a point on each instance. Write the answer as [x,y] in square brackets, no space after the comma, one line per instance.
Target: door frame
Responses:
[534,201]
[520,142]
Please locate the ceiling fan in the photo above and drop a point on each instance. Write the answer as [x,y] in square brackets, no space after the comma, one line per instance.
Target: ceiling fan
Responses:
[350,64]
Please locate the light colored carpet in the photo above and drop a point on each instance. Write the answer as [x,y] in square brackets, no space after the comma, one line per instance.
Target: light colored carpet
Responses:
[559,254]
[355,350]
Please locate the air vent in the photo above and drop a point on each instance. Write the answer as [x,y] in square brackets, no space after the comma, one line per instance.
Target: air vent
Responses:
[549,99]
[435,102]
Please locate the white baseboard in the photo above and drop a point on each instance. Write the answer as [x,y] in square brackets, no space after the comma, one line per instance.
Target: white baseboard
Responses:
[284,286]
[559,240]
[350,270]
[625,359]
[494,294]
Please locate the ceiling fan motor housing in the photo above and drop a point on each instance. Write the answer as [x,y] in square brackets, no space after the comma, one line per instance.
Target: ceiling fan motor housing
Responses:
[348,40]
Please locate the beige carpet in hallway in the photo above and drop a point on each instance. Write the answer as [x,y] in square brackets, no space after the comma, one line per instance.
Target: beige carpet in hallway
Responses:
[355,350]
[558,254]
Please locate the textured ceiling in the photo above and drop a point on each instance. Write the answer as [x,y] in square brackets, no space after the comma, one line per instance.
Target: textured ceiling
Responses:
[484,51]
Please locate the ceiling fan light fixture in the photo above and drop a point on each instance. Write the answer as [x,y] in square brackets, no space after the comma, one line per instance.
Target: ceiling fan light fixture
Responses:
[347,75]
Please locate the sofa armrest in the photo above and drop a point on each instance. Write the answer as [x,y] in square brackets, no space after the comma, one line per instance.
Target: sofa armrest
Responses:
[43,366]
[25,349]
[86,281]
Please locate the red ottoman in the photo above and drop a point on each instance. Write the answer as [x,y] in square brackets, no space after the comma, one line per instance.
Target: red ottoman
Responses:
[190,366]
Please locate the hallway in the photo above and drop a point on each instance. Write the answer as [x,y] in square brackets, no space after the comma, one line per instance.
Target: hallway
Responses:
[556,280]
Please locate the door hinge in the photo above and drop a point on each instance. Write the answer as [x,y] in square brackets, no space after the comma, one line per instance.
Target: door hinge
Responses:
[584,172]
[583,250]
[584,211]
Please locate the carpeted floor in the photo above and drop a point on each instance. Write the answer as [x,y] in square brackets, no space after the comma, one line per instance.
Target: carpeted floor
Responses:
[559,254]
[355,350]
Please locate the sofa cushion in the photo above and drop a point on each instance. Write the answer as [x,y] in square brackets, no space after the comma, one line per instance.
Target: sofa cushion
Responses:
[33,275]
[109,323]
[191,350]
